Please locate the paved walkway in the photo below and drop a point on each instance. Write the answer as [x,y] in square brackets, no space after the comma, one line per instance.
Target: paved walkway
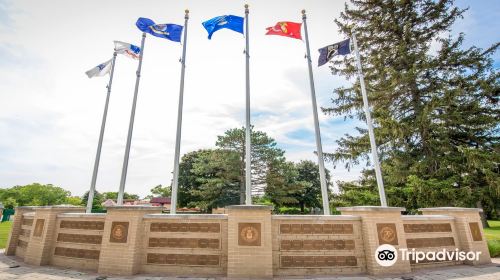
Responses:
[12,268]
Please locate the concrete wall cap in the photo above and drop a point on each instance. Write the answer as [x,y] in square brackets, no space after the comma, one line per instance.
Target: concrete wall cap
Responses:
[371,208]
[187,216]
[317,217]
[250,207]
[451,209]
[29,214]
[426,217]
[133,207]
[49,207]
[82,215]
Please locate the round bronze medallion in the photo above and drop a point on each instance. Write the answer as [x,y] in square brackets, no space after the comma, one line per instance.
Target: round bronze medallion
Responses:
[249,234]
[118,232]
[387,234]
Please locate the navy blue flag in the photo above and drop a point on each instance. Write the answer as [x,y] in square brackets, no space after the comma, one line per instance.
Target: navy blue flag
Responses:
[340,48]
[234,23]
[169,31]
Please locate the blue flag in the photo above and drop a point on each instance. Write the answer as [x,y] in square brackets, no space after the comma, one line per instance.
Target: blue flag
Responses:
[340,48]
[168,31]
[234,23]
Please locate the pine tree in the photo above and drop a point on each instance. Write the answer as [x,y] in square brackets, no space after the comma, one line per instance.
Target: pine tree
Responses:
[434,104]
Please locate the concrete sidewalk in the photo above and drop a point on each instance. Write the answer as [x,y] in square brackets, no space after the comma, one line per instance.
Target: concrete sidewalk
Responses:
[11,268]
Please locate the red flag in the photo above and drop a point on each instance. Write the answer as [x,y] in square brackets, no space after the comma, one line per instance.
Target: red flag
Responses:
[286,28]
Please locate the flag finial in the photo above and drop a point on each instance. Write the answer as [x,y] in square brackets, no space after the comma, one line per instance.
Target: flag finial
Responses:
[246,6]
[187,11]
[303,12]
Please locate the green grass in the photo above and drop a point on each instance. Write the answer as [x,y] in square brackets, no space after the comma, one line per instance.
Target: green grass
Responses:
[493,237]
[4,233]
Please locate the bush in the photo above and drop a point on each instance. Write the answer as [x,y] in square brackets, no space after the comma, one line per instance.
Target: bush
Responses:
[494,248]
[289,210]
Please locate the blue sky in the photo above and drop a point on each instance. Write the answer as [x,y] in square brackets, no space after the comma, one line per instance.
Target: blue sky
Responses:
[51,112]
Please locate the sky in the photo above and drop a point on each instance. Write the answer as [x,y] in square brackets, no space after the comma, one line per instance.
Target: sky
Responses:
[50,111]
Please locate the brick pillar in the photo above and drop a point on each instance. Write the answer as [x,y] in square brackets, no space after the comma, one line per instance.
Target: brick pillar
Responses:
[42,239]
[122,239]
[469,230]
[249,241]
[380,225]
[10,249]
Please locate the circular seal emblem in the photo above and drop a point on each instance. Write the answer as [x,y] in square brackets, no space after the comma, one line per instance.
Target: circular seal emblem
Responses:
[249,234]
[118,232]
[387,234]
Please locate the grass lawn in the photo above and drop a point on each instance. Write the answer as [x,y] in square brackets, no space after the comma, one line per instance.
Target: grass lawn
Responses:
[4,233]
[493,236]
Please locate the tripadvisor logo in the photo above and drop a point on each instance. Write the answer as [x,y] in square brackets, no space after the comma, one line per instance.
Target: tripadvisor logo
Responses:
[386,255]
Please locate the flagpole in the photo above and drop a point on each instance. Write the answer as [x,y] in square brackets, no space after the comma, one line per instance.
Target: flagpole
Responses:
[131,125]
[321,163]
[90,197]
[175,184]
[248,141]
[371,134]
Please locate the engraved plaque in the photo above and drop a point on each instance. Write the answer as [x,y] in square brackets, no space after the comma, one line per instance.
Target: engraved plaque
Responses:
[184,243]
[119,232]
[87,225]
[475,231]
[185,227]
[183,259]
[418,228]
[317,261]
[316,245]
[430,242]
[249,234]
[77,253]
[387,234]
[27,222]
[316,229]
[39,227]
[79,238]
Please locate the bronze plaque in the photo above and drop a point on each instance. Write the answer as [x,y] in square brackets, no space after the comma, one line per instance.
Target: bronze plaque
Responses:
[119,232]
[249,234]
[184,243]
[39,227]
[185,227]
[430,242]
[317,261]
[79,238]
[27,222]
[387,234]
[77,253]
[418,228]
[22,244]
[316,245]
[183,259]
[476,232]
[316,229]
[87,225]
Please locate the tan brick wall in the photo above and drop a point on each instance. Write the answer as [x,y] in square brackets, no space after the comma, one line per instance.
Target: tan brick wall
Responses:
[13,239]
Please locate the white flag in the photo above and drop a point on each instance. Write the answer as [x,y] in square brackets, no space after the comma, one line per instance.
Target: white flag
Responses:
[127,49]
[100,70]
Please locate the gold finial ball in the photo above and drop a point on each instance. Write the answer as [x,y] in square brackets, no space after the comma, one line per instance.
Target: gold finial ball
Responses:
[187,11]
[246,6]
[303,12]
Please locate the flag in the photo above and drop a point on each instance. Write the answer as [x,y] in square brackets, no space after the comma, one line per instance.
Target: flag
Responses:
[340,48]
[100,70]
[286,28]
[168,31]
[127,49]
[234,23]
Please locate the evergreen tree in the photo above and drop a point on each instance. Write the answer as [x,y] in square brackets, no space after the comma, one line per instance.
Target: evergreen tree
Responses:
[434,103]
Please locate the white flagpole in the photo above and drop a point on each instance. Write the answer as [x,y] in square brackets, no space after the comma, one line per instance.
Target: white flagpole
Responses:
[90,197]
[131,125]
[175,183]
[321,163]
[248,141]
[371,134]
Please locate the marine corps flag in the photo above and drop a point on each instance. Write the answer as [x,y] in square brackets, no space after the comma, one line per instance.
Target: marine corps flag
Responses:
[326,53]
[286,28]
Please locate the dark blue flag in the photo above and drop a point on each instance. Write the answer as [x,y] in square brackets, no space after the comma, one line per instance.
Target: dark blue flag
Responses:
[168,31]
[340,48]
[234,23]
